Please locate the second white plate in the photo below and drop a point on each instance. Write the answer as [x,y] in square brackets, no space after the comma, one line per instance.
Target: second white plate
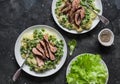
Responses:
[98,5]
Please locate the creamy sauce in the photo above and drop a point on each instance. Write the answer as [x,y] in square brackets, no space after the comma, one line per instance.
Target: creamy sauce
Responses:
[105,36]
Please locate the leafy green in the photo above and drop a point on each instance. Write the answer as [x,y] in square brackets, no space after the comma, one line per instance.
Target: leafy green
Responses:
[72,44]
[87,69]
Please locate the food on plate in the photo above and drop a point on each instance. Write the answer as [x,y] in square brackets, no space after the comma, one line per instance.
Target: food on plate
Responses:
[45,50]
[72,44]
[74,15]
[87,69]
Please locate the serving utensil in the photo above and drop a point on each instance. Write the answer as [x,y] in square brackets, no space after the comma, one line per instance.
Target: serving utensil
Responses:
[17,73]
[101,17]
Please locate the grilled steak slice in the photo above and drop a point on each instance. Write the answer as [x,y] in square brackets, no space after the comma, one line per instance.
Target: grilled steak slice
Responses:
[71,16]
[52,48]
[82,12]
[51,55]
[36,52]
[45,49]
[66,8]
[75,4]
[40,62]
[46,38]
[39,47]
[77,17]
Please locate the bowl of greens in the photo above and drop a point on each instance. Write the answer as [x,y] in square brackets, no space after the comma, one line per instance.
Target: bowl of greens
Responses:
[74,17]
[87,69]
[45,49]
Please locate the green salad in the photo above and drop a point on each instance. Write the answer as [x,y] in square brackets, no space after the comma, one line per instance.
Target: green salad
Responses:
[86,22]
[87,69]
[30,41]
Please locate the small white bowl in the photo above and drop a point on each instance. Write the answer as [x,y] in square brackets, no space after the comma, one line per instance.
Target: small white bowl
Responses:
[110,42]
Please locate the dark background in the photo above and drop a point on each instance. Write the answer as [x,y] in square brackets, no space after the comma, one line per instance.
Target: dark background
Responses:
[17,15]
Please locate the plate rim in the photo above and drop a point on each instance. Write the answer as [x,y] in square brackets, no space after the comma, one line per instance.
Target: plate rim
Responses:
[30,28]
[74,58]
[74,31]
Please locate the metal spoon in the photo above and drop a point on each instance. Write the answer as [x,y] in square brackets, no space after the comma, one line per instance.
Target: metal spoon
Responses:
[101,17]
[17,73]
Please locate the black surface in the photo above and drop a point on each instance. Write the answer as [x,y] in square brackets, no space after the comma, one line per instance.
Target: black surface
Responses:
[17,15]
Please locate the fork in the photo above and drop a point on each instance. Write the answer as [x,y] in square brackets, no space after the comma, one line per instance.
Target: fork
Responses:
[17,73]
[101,17]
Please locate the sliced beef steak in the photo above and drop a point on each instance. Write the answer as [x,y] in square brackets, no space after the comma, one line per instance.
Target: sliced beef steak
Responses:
[51,55]
[40,62]
[45,49]
[38,53]
[75,4]
[53,49]
[66,8]
[74,11]
[40,48]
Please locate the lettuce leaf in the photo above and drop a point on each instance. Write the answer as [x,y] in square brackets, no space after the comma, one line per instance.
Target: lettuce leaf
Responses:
[72,44]
[87,69]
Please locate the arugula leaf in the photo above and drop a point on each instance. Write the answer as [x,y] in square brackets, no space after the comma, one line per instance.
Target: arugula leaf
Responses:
[72,44]
[87,69]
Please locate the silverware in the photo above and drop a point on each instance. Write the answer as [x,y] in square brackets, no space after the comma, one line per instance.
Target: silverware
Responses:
[101,17]
[17,73]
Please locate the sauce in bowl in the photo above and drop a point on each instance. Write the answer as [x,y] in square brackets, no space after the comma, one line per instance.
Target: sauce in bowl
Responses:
[106,37]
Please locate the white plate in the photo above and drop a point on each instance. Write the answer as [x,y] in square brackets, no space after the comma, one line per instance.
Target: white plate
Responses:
[20,60]
[68,68]
[98,5]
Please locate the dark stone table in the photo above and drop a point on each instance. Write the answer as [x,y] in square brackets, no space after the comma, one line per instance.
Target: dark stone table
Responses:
[17,15]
